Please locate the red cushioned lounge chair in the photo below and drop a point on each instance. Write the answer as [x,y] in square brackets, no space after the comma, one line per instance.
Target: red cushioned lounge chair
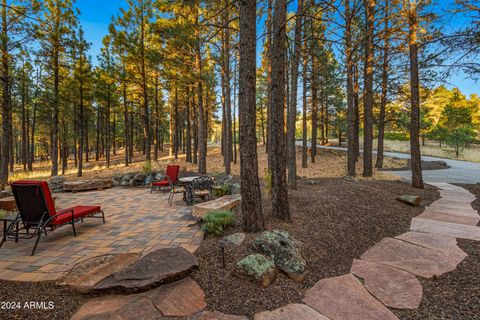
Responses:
[171,178]
[37,211]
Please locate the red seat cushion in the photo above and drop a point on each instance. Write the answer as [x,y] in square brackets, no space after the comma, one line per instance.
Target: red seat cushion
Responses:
[162,183]
[78,212]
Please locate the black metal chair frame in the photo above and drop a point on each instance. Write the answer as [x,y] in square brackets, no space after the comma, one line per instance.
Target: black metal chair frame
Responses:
[202,183]
[14,233]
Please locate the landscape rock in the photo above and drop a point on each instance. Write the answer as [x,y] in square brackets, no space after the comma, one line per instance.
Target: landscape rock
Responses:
[285,251]
[127,178]
[394,287]
[448,229]
[86,274]
[345,298]
[235,239]
[412,200]
[156,268]
[117,177]
[419,260]
[258,268]
[84,185]
[227,202]
[179,299]
[56,183]
[118,307]
[150,178]
[139,179]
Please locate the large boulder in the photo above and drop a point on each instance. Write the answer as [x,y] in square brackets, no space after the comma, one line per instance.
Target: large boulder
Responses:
[285,251]
[86,274]
[154,269]
[138,179]
[127,178]
[257,268]
[150,178]
[235,239]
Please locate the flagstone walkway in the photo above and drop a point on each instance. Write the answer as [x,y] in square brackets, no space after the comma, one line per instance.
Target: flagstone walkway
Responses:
[136,221]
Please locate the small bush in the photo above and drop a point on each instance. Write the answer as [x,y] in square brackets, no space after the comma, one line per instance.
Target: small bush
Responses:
[215,222]
[223,190]
[147,167]
[2,213]
[267,181]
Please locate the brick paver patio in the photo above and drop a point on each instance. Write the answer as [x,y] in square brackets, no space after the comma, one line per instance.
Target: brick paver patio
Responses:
[136,221]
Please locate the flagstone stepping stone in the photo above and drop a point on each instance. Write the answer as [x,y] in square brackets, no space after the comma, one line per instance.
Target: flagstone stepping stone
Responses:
[445,228]
[345,298]
[179,299]
[291,311]
[86,274]
[227,202]
[447,217]
[156,268]
[456,211]
[215,315]
[394,287]
[117,307]
[285,251]
[421,261]
[433,241]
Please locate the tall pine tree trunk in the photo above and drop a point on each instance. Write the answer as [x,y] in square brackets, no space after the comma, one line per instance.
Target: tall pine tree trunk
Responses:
[280,206]
[250,187]
[351,152]
[383,99]
[5,147]
[368,87]
[416,158]
[292,112]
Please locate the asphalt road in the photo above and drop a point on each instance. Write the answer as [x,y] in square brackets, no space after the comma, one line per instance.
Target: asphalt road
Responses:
[459,171]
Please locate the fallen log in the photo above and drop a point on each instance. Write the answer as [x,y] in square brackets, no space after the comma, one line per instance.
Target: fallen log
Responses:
[412,200]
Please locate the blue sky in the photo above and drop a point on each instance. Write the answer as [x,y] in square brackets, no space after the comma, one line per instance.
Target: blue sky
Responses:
[96,16]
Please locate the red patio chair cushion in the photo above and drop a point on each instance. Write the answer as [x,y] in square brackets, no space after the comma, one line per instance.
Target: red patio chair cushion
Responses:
[162,183]
[65,215]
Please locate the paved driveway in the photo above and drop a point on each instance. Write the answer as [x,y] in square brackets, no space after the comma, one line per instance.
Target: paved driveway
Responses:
[459,171]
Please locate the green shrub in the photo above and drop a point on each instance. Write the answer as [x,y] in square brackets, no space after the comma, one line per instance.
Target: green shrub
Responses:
[223,190]
[2,213]
[267,181]
[147,167]
[215,222]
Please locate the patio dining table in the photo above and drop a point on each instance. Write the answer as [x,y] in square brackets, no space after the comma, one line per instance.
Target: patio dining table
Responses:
[187,183]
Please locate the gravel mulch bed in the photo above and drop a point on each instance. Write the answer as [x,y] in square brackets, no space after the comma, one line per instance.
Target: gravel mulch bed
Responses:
[336,220]
[17,298]
[426,165]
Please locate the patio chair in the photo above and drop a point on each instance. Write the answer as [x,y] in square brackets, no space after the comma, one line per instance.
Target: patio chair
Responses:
[171,178]
[36,210]
[202,188]
[175,189]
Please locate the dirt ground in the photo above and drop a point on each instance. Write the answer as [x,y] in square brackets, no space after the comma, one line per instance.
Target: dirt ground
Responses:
[334,224]
[328,163]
